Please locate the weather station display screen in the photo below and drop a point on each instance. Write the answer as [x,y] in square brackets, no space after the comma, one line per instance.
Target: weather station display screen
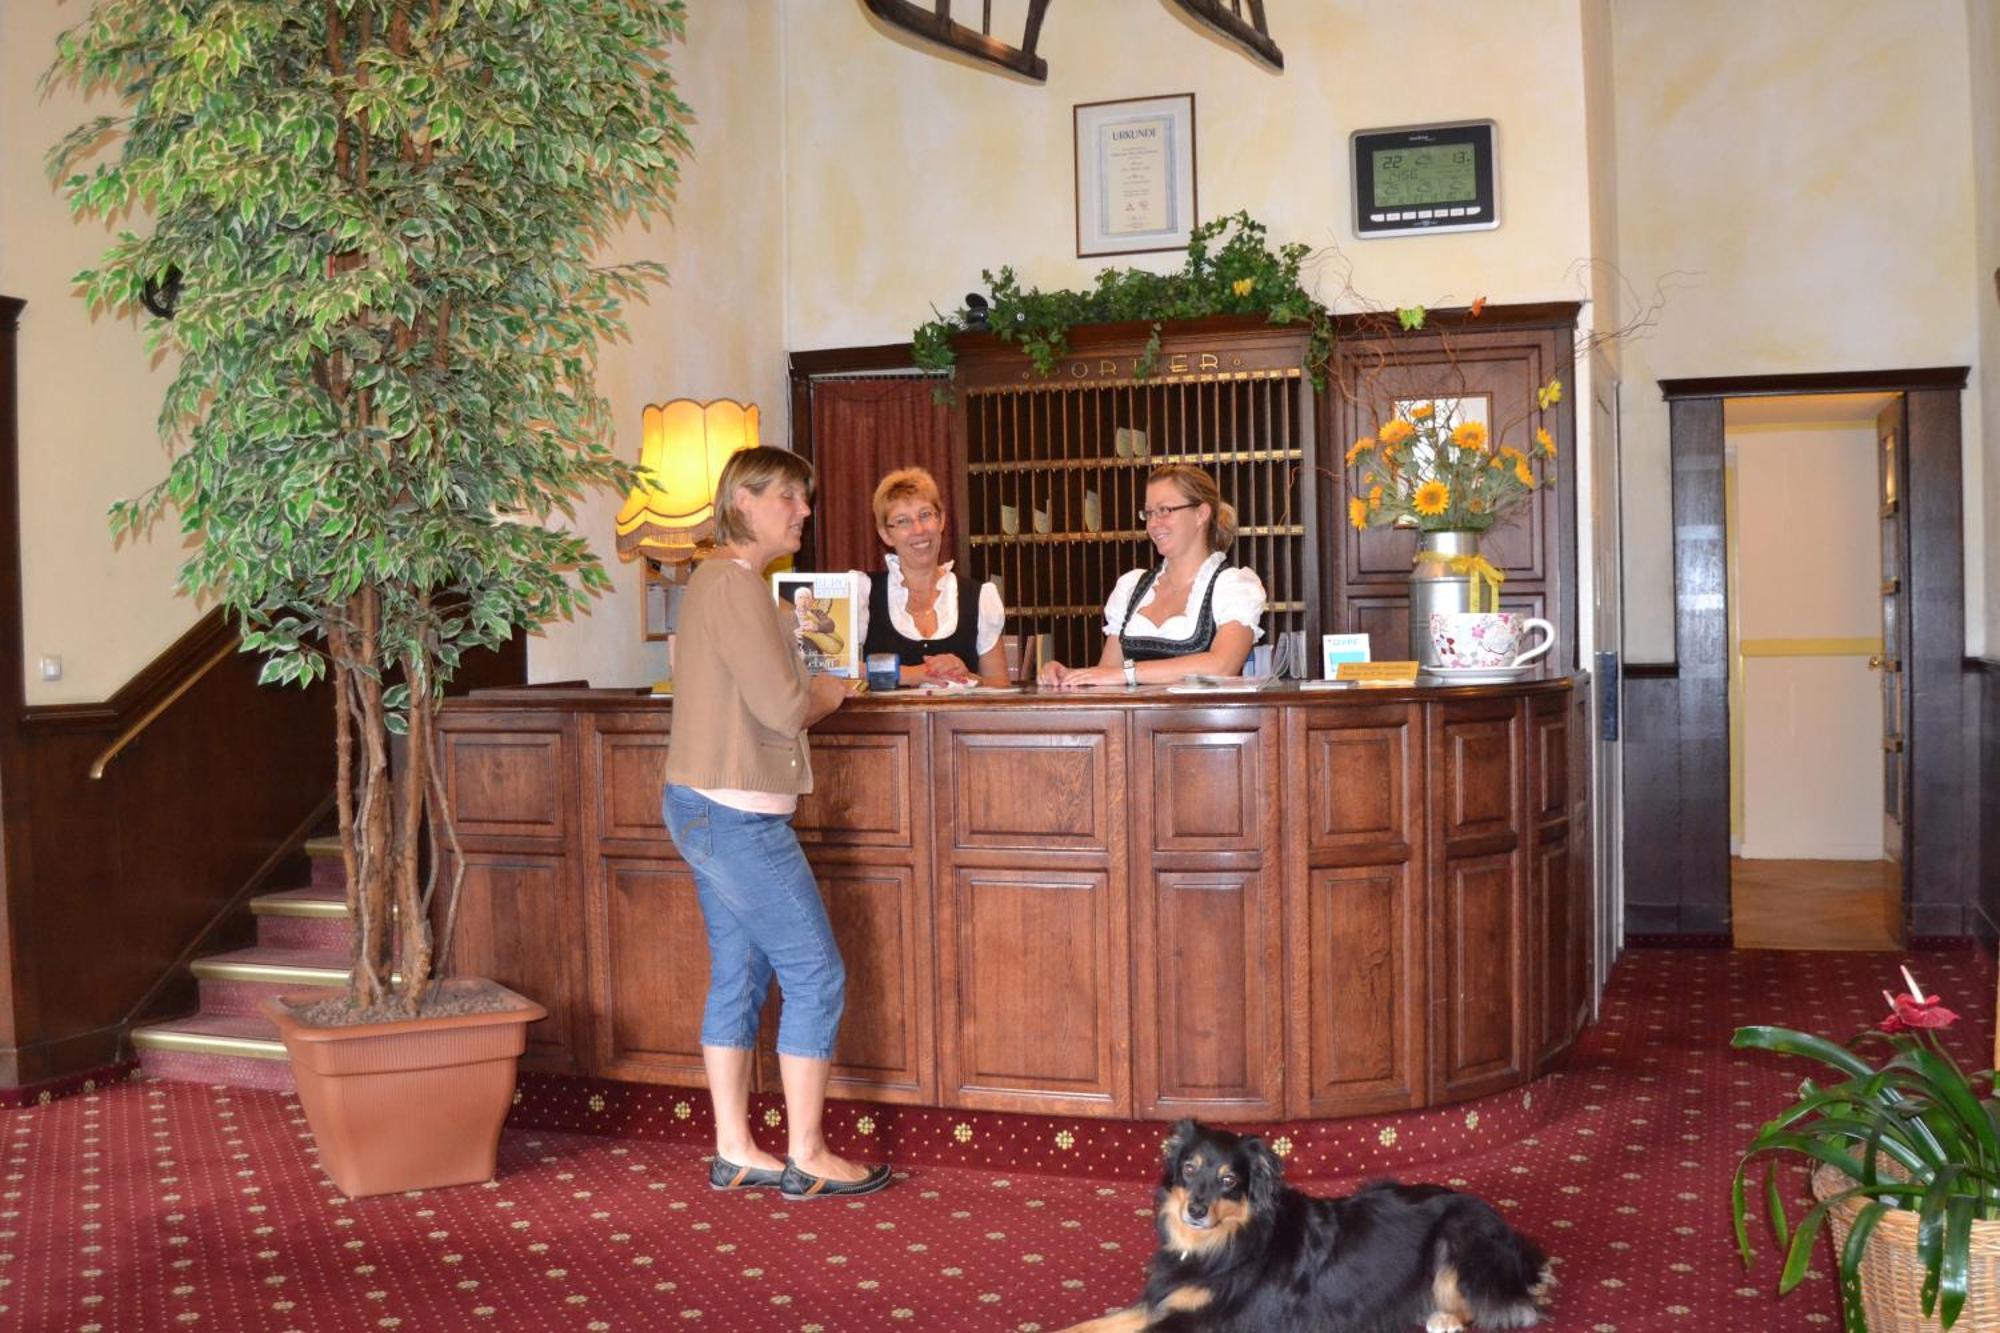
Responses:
[1441,174]
[1425,178]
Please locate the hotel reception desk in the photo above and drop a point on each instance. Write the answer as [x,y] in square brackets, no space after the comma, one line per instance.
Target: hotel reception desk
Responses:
[1255,906]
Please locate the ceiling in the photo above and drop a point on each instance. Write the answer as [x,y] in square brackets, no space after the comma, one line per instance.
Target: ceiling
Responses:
[1805,409]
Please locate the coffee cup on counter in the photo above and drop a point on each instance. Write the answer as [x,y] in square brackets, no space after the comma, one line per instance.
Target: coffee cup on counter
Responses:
[884,671]
[1486,640]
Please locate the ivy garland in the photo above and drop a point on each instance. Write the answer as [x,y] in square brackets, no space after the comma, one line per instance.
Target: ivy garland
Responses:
[1230,270]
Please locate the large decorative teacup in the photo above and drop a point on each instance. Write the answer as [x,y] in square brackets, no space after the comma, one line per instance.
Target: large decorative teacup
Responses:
[1486,640]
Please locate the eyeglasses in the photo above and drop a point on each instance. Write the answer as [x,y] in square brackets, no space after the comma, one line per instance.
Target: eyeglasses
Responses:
[1161,511]
[923,518]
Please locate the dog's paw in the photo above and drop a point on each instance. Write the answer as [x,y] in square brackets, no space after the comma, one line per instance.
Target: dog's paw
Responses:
[1440,1322]
[1544,1289]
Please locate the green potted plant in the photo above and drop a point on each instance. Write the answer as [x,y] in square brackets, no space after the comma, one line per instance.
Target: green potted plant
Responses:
[368,235]
[1905,1165]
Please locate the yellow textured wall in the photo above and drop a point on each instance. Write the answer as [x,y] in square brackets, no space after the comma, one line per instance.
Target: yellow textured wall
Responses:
[1984,490]
[89,400]
[716,329]
[907,174]
[1796,175]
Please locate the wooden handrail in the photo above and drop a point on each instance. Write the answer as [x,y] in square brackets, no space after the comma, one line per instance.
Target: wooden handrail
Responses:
[131,733]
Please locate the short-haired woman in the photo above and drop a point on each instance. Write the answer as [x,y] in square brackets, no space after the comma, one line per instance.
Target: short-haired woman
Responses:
[736,766]
[914,609]
[1192,614]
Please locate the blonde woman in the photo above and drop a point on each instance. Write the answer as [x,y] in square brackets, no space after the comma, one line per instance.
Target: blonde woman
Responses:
[736,767]
[918,607]
[1191,614]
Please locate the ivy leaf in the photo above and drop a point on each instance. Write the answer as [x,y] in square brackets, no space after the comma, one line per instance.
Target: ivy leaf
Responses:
[1411,317]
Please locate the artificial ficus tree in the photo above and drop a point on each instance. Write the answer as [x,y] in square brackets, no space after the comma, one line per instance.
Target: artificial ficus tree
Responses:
[376,221]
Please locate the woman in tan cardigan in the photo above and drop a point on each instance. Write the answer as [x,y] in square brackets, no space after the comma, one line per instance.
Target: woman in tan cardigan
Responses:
[736,766]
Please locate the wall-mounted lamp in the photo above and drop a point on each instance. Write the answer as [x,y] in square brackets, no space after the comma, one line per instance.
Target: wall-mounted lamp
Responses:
[669,516]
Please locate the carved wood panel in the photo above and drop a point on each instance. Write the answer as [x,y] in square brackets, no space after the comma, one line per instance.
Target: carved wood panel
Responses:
[883,927]
[1025,955]
[1360,765]
[1357,954]
[1208,1005]
[1480,775]
[507,783]
[1478,1047]
[1209,1013]
[862,784]
[628,765]
[516,926]
[1035,783]
[649,956]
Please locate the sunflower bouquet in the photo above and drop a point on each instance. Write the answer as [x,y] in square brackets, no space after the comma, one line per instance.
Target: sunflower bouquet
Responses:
[1424,469]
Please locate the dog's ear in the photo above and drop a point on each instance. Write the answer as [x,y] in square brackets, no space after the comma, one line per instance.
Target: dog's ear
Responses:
[1177,1141]
[1266,1171]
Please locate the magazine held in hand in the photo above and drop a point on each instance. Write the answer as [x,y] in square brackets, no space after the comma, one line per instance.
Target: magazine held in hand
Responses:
[826,618]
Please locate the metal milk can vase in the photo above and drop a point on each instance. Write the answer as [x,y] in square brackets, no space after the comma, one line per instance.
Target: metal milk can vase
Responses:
[1435,586]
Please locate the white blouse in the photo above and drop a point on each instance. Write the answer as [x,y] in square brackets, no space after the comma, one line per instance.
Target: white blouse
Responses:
[992,611]
[1239,599]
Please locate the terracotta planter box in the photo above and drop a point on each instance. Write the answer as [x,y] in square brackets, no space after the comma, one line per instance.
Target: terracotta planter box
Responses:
[411,1104]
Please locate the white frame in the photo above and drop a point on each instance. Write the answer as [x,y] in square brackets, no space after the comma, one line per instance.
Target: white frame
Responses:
[1169,172]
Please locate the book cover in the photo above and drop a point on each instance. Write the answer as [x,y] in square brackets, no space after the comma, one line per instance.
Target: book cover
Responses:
[826,618]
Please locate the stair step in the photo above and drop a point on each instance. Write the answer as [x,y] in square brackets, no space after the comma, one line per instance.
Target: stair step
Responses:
[329,845]
[283,967]
[240,1035]
[316,902]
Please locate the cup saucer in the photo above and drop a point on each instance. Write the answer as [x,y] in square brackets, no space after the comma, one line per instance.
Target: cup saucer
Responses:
[1498,675]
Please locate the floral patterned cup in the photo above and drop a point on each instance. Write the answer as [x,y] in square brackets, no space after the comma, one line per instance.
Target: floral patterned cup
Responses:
[1486,640]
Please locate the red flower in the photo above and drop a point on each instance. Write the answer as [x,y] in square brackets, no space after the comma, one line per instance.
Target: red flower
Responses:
[1912,1010]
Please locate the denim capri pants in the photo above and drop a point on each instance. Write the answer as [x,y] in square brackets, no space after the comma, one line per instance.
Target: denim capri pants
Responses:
[764,918]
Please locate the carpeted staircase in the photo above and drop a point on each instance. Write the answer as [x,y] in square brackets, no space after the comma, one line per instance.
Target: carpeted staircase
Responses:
[303,938]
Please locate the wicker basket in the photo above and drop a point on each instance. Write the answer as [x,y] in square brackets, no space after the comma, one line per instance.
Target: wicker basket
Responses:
[1892,1276]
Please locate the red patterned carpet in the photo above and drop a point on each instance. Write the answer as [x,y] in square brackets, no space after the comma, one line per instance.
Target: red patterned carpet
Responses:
[142,1206]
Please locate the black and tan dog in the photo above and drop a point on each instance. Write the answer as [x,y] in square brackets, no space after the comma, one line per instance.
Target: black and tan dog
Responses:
[1240,1252]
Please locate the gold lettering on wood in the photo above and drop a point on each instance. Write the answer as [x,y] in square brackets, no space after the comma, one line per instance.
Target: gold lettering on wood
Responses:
[1106,366]
[1210,361]
[1177,365]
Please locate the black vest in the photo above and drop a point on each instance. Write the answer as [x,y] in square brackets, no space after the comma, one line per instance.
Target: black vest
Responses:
[1144,649]
[884,637]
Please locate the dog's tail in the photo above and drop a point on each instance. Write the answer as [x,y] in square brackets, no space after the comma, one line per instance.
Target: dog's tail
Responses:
[1503,1276]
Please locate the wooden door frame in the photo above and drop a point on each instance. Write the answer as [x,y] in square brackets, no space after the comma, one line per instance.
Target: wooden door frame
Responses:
[1938,902]
[829,362]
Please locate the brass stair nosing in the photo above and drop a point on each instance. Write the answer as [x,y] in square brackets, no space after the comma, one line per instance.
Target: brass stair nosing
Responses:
[208,1043]
[322,846]
[315,909]
[282,973]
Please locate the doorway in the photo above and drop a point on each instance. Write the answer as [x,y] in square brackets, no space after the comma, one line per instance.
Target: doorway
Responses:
[1677,810]
[1814,791]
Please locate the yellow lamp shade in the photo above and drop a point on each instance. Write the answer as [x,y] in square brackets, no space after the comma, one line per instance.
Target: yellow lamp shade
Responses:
[682,449]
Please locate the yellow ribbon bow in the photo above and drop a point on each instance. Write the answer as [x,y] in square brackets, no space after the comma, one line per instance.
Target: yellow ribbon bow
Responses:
[1482,579]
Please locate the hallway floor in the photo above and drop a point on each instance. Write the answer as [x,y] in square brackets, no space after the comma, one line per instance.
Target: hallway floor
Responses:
[150,1205]
[1815,904]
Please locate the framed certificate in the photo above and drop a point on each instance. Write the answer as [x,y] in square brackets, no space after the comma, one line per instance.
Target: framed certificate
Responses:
[1135,175]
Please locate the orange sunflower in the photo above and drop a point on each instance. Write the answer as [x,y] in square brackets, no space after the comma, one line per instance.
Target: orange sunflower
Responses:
[1422,412]
[1469,435]
[1432,498]
[1396,432]
[1543,438]
[1357,512]
[1359,447]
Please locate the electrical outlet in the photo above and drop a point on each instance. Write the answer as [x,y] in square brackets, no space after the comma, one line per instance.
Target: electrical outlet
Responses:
[51,667]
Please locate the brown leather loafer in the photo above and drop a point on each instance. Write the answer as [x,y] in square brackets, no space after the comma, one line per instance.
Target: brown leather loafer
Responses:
[725,1175]
[796,1184]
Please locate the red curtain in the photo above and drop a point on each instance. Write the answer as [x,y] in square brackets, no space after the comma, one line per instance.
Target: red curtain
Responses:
[861,429]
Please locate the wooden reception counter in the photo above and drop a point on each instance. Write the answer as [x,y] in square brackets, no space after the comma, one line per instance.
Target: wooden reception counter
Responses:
[1270,905]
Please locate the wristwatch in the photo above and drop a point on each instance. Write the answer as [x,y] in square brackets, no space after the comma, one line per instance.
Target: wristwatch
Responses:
[1131,672]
